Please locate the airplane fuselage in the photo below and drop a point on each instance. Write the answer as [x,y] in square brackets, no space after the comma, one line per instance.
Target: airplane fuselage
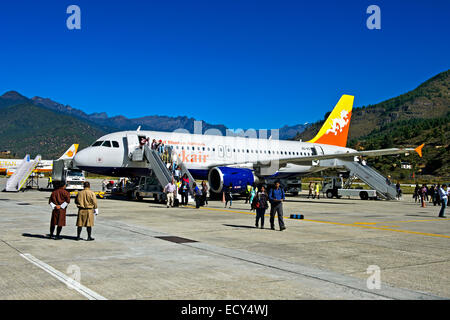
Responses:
[200,153]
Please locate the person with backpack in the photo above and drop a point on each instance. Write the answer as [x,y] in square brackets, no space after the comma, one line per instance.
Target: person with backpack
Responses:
[261,205]
[276,197]
[197,195]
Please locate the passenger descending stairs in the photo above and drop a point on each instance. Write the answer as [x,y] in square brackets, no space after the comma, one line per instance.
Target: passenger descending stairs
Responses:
[19,178]
[184,170]
[159,168]
[372,178]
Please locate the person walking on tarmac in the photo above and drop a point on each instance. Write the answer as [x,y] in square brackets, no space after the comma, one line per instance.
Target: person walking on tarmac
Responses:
[197,195]
[50,182]
[86,202]
[171,192]
[184,192]
[59,200]
[260,203]
[276,197]
[227,196]
[311,190]
[443,195]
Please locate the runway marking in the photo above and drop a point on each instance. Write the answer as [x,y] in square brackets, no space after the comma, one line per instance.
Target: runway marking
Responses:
[88,293]
[364,225]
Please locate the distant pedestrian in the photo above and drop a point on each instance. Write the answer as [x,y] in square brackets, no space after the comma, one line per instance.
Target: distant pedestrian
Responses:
[204,193]
[261,206]
[399,191]
[59,200]
[317,192]
[171,192]
[87,208]
[423,195]
[311,190]
[50,182]
[276,197]
[437,198]
[248,190]
[227,193]
[197,195]
[252,196]
[416,192]
[443,195]
[184,192]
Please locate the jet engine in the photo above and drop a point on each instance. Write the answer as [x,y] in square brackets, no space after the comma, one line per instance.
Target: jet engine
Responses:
[220,177]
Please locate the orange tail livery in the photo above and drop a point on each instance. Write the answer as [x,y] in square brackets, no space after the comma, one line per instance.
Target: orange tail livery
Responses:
[335,129]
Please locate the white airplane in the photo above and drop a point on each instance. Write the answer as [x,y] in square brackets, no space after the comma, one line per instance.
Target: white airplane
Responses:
[9,166]
[225,159]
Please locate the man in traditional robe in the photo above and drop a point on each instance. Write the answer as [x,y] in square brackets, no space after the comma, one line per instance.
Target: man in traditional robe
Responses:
[86,201]
[59,200]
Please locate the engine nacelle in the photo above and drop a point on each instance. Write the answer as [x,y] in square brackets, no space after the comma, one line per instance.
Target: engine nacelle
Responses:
[219,177]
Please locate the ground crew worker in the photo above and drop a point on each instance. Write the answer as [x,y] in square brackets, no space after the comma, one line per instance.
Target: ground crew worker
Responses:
[276,197]
[248,191]
[87,207]
[50,182]
[317,191]
[311,190]
[59,200]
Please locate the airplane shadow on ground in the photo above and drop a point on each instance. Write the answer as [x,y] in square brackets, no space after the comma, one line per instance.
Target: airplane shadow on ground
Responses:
[318,201]
[41,236]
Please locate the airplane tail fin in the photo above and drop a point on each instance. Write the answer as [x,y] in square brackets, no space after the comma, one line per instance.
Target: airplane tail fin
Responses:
[335,129]
[70,153]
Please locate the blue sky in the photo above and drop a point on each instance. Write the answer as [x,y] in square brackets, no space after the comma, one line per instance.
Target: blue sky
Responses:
[259,64]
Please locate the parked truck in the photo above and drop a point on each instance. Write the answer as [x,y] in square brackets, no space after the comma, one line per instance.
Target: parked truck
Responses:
[334,187]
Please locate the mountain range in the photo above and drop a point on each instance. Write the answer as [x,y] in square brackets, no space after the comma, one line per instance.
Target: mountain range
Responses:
[421,115]
[35,125]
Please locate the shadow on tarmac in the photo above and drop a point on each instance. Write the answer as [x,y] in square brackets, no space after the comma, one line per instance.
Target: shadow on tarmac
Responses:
[239,226]
[47,237]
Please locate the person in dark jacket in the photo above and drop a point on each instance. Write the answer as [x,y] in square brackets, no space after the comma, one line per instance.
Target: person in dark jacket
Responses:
[204,193]
[227,195]
[184,192]
[197,195]
[261,205]
[276,197]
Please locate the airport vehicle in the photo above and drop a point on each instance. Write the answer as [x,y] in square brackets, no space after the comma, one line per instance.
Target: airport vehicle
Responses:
[9,166]
[238,160]
[335,187]
[74,179]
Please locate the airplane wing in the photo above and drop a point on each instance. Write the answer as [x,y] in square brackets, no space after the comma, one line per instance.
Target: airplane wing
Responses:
[368,153]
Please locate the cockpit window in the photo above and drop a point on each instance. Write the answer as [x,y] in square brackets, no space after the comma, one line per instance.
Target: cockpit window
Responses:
[115,144]
[97,143]
[106,144]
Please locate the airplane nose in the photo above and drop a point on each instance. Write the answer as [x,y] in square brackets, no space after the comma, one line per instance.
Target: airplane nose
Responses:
[81,159]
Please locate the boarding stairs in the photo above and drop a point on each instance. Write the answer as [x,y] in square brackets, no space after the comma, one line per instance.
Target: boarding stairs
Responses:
[23,172]
[372,178]
[158,167]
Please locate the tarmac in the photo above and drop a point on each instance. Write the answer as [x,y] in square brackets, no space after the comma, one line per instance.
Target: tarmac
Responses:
[143,250]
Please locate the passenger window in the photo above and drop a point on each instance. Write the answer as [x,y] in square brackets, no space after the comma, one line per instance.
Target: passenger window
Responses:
[204,148]
[107,144]
[97,143]
[115,144]
[214,149]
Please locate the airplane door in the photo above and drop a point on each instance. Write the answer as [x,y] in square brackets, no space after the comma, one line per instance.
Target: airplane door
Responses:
[228,150]
[221,151]
[132,142]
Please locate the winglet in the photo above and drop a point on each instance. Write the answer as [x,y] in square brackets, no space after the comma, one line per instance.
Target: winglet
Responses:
[419,149]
